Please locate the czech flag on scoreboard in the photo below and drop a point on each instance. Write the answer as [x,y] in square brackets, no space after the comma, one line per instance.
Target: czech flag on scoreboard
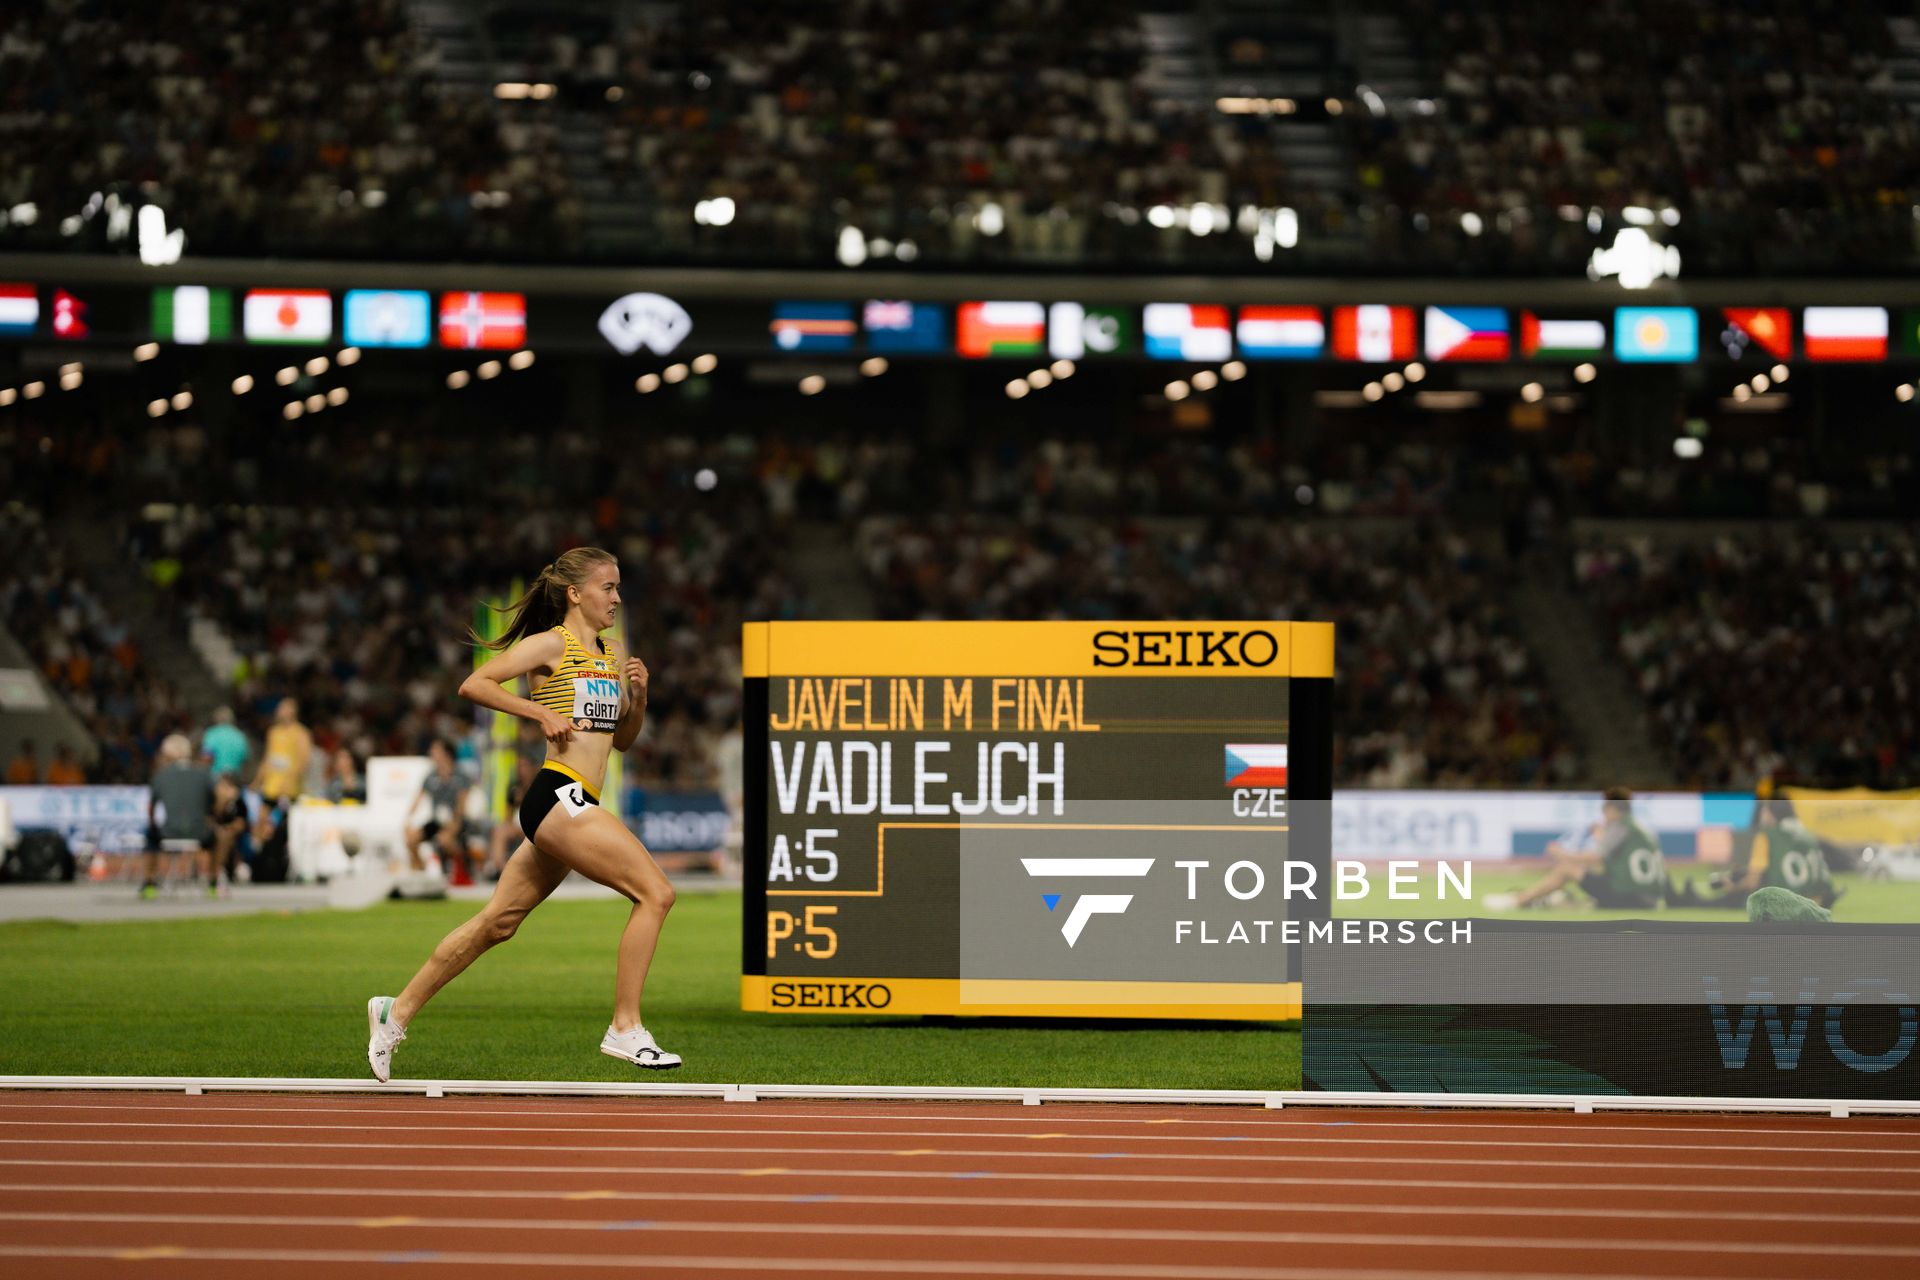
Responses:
[1256,764]
[1768,328]
[1001,329]
[1281,333]
[1179,331]
[19,310]
[1656,335]
[1373,334]
[813,326]
[483,321]
[1845,333]
[1468,333]
[287,315]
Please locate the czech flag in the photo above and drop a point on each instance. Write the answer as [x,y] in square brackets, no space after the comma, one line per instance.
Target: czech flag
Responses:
[1845,333]
[1179,331]
[1768,328]
[1281,333]
[1468,333]
[476,321]
[1001,329]
[1374,334]
[1256,764]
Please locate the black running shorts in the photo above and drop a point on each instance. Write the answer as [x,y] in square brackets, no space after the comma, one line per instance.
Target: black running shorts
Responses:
[551,789]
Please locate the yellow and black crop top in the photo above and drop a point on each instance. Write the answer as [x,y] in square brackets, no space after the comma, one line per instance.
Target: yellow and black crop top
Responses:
[584,687]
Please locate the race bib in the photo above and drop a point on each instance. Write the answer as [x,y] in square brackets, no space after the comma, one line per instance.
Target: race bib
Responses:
[596,703]
[573,799]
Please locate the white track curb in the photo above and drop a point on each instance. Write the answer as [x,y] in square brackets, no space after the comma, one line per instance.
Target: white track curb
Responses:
[1270,1099]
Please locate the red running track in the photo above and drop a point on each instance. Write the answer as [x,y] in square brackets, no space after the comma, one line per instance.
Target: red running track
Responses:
[229,1186]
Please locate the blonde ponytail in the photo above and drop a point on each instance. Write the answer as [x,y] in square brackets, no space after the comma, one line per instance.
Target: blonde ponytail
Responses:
[544,606]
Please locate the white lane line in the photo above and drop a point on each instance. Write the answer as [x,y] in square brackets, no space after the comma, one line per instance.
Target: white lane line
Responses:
[667,1265]
[1790,1162]
[933,1233]
[767,1131]
[1800,1191]
[1242,1120]
[384,1195]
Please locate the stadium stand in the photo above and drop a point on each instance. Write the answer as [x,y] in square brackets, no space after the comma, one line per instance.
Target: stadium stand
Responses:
[87,653]
[1438,686]
[1763,652]
[1491,138]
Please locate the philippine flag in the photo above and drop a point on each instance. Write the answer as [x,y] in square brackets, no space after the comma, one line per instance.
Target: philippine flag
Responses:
[19,309]
[1281,333]
[1468,333]
[1845,333]
[1179,331]
[475,321]
[1256,764]
[1373,334]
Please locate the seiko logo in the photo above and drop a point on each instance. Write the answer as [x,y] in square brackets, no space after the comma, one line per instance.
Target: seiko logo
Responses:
[1185,648]
[831,995]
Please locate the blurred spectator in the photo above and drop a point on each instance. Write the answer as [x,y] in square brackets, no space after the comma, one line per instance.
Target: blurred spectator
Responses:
[24,769]
[224,745]
[178,808]
[344,783]
[440,814]
[289,749]
[65,771]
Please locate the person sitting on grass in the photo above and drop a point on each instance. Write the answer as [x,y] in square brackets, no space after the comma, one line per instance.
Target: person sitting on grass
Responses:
[1778,853]
[1624,870]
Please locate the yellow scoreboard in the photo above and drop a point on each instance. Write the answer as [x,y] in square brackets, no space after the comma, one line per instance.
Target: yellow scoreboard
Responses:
[1073,819]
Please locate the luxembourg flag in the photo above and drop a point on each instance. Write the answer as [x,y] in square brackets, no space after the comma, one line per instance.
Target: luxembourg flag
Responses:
[1178,331]
[1468,333]
[1845,333]
[1256,764]
[19,310]
[1281,333]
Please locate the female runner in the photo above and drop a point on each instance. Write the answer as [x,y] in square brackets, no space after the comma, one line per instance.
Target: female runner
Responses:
[588,700]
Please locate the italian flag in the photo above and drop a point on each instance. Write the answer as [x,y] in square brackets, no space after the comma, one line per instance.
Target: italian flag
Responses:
[192,313]
[288,315]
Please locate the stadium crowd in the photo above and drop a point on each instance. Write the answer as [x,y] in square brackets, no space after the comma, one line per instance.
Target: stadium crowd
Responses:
[1767,127]
[316,128]
[1005,131]
[1788,654]
[86,652]
[1437,685]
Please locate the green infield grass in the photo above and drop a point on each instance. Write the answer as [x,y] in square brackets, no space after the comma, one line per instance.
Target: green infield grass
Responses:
[1862,902]
[285,995]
